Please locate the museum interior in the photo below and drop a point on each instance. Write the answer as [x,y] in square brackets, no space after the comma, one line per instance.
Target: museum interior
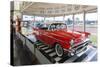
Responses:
[50,33]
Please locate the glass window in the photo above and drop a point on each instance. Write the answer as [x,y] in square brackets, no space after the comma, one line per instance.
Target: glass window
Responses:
[69,22]
[79,24]
[49,19]
[91,26]
[60,18]
[38,18]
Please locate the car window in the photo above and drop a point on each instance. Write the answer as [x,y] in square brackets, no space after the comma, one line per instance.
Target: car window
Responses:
[57,26]
[63,26]
[52,27]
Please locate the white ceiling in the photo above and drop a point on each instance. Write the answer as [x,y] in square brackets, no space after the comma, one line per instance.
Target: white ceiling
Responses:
[54,9]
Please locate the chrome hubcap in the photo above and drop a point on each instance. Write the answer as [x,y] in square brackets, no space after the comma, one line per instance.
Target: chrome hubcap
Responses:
[59,50]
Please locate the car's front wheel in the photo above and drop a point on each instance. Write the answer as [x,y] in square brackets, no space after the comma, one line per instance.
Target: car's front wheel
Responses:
[59,50]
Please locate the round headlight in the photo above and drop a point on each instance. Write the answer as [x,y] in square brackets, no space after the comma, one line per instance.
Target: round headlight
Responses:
[71,42]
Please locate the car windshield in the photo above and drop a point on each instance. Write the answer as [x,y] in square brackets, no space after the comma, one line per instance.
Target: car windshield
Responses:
[43,26]
[57,26]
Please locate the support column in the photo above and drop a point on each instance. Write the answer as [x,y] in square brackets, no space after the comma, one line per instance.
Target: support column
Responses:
[34,18]
[84,20]
[64,18]
[54,19]
[44,19]
[73,21]
[21,16]
[17,16]
[21,22]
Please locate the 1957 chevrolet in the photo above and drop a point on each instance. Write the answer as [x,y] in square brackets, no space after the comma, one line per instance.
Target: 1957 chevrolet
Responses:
[63,40]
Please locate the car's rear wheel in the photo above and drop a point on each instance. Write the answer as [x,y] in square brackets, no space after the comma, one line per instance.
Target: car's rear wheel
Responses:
[59,50]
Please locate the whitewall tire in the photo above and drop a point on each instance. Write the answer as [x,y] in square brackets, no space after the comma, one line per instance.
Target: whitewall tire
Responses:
[59,50]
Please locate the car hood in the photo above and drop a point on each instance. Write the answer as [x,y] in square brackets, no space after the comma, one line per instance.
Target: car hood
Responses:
[67,34]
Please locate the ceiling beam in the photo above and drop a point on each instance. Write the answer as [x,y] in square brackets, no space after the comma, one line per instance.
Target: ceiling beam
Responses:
[27,6]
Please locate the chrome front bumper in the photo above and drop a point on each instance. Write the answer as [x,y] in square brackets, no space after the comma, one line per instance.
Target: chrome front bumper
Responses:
[79,48]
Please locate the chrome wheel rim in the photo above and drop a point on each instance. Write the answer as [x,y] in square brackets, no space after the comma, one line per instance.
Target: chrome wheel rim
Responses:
[59,50]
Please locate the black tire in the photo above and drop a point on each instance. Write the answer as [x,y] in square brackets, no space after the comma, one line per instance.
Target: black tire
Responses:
[59,50]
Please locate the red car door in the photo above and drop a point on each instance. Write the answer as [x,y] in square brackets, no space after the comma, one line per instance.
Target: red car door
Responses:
[49,39]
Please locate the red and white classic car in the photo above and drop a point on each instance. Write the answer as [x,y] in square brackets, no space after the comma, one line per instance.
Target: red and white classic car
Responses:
[63,40]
